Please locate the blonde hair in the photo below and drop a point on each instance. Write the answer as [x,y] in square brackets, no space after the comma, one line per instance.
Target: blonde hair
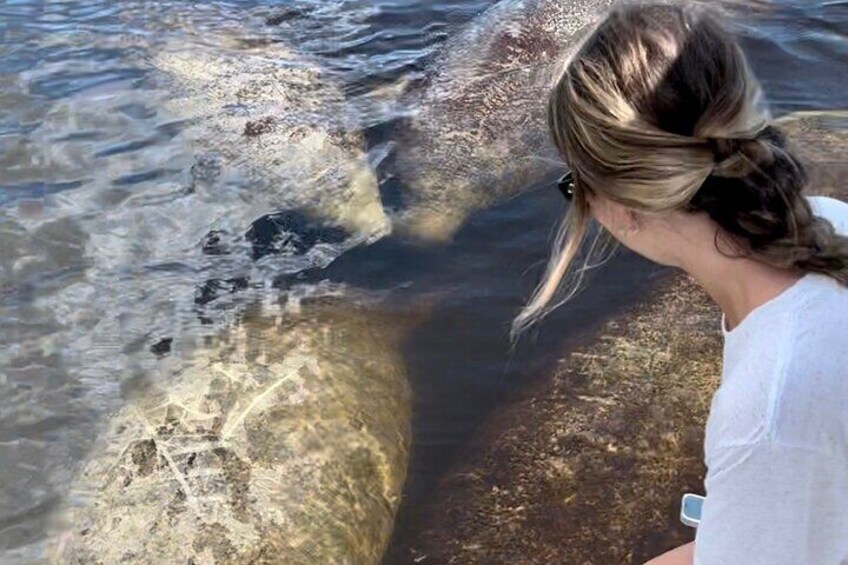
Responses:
[658,110]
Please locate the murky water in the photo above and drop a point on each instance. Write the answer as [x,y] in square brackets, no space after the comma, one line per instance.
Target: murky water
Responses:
[121,239]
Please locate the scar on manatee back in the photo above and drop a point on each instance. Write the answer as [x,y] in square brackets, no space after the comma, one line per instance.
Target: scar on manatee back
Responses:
[237,472]
[145,456]
[256,128]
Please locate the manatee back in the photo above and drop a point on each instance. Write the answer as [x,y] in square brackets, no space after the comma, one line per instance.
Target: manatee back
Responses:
[278,442]
[478,132]
[279,120]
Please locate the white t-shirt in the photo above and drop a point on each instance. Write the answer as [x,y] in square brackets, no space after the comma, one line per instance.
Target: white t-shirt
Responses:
[777,435]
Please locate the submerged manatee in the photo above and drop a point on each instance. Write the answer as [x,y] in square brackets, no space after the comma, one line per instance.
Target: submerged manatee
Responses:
[226,129]
[283,440]
[821,139]
[478,131]
[259,110]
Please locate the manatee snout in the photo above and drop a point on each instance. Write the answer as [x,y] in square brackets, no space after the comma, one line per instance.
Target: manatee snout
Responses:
[364,211]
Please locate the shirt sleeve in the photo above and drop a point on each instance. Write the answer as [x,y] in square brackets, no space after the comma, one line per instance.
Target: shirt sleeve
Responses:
[769,503]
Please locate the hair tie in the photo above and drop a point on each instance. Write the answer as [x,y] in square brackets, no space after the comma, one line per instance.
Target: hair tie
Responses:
[724,148]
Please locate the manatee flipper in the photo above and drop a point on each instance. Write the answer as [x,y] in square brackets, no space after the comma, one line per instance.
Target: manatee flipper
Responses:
[281,441]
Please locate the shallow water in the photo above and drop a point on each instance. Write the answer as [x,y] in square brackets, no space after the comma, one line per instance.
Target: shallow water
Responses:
[102,258]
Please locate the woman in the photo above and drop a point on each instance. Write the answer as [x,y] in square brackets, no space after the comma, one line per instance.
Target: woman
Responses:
[670,149]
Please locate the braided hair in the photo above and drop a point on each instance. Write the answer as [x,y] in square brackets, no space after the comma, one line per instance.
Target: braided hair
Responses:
[658,110]
[755,194]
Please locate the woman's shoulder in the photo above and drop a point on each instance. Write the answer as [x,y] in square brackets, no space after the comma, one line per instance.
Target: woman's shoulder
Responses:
[787,378]
[831,209]
[810,400]
[815,336]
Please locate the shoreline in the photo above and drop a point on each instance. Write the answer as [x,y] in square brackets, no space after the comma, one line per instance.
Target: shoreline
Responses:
[588,465]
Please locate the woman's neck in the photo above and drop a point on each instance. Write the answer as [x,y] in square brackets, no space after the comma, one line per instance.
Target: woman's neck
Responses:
[738,285]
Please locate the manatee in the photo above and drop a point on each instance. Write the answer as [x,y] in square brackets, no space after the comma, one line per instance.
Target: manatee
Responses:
[283,439]
[260,110]
[478,132]
[163,201]
[820,137]
[226,128]
[174,179]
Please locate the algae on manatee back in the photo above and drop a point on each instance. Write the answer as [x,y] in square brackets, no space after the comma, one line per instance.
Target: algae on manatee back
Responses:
[478,133]
[821,139]
[280,441]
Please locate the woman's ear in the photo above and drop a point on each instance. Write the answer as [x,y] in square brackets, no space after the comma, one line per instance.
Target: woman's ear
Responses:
[634,221]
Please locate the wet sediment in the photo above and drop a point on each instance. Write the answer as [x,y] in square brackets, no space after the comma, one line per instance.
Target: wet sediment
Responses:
[589,465]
